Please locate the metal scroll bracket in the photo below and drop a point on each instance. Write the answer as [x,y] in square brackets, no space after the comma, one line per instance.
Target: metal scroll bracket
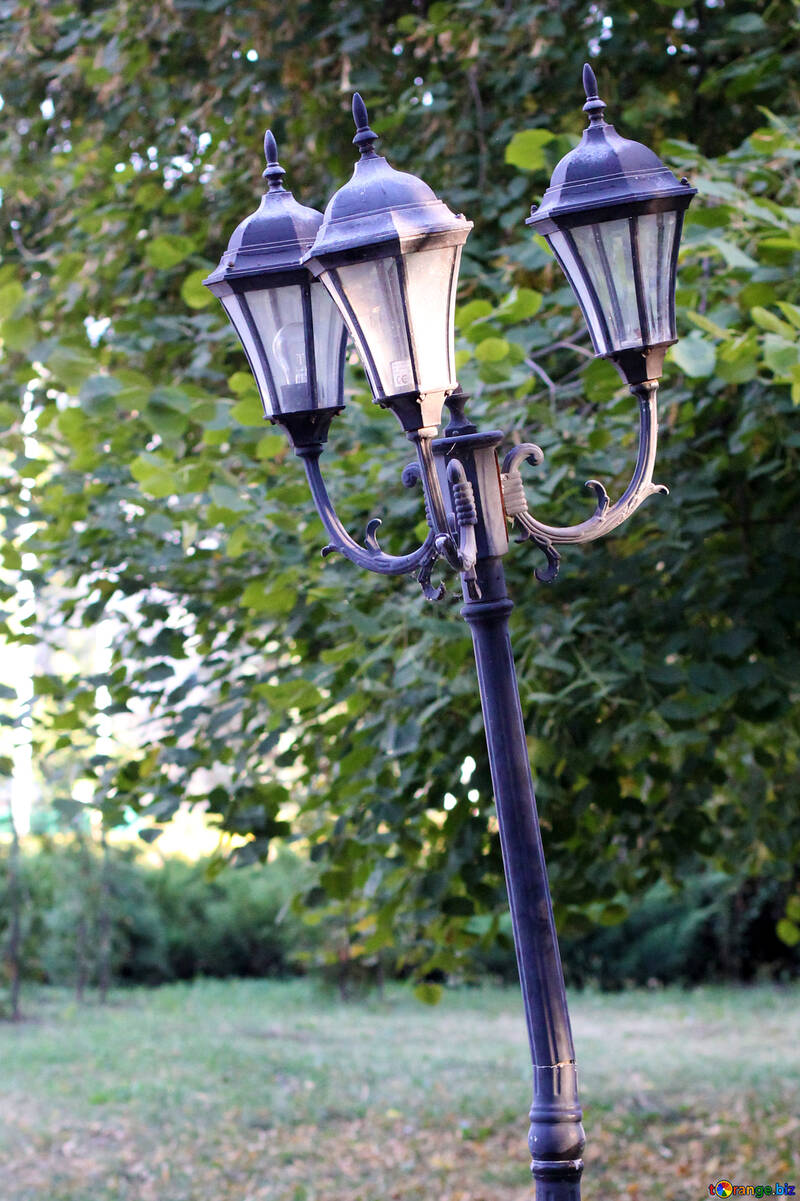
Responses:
[369,556]
[606,516]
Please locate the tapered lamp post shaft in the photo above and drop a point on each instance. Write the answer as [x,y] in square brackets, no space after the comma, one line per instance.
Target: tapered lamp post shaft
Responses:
[556,1137]
[556,1134]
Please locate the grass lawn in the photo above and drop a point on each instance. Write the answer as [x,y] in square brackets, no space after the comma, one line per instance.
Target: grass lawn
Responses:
[262,1091]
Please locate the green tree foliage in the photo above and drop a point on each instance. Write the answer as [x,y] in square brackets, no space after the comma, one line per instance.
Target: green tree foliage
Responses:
[659,675]
[175,920]
[717,928]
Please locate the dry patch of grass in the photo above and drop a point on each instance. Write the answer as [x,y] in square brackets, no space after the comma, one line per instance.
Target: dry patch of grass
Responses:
[252,1091]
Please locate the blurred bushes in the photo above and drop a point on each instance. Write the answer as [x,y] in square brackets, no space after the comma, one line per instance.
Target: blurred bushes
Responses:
[179,920]
[715,928]
[236,924]
[167,922]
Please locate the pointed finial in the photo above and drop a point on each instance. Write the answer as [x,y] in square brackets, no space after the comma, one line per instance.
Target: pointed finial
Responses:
[365,137]
[594,106]
[274,173]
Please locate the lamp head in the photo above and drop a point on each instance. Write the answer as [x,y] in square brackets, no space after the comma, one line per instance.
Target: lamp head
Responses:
[612,216]
[388,251]
[290,330]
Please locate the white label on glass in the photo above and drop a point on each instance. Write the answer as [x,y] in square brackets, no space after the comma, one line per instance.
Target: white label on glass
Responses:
[402,376]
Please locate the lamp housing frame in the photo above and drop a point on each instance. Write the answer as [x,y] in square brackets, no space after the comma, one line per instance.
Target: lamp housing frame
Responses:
[264,255]
[609,178]
[379,214]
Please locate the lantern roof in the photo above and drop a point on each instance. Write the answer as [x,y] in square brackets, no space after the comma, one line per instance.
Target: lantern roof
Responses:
[606,170]
[276,236]
[379,204]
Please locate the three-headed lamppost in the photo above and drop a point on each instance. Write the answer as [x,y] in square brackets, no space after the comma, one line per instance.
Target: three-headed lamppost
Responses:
[382,265]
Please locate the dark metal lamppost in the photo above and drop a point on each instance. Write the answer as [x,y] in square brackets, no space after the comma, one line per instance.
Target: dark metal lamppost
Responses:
[383,262]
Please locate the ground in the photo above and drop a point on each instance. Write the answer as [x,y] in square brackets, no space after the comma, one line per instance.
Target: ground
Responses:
[275,1091]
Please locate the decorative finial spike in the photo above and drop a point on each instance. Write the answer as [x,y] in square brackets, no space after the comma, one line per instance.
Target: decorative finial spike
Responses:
[274,173]
[360,114]
[365,137]
[594,106]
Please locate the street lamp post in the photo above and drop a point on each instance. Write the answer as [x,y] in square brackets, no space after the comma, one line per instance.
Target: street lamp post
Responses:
[382,264]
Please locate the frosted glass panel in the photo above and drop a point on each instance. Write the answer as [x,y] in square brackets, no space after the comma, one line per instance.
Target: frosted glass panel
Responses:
[656,235]
[275,343]
[374,293]
[606,253]
[329,343]
[569,264]
[278,317]
[253,350]
[431,288]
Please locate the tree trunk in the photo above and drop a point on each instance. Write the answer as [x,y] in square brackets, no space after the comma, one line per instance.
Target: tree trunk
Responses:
[104,922]
[81,941]
[14,947]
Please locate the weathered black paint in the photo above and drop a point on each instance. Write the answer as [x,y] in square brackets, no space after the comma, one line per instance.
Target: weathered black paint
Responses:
[556,1136]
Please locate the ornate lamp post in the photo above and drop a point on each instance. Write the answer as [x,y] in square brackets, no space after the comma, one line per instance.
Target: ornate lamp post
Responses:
[387,254]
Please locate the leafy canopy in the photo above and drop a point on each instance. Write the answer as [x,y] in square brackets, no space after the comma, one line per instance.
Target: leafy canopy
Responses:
[303,699]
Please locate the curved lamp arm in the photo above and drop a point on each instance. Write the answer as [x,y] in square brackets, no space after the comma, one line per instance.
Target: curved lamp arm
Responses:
[606,516]
[370,555]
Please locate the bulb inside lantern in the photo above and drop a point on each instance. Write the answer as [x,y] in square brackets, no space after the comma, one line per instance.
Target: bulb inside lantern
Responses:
[289,349]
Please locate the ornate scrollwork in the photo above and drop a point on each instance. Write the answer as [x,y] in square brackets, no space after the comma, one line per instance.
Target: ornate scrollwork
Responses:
[451,537]
[370,555]
[454,533]
[465,518]
[606,516]
[516,506]
[432,592]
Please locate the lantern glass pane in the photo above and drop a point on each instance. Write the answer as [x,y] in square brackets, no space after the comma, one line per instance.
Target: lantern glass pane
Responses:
[375,295]
[279,318]
[253,349]
[607,257]
[656,234]
[563,249]
[330,338]
[430,283]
